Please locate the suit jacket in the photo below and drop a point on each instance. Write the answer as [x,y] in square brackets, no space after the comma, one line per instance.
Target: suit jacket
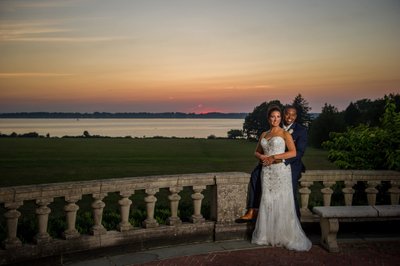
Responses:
[299,136]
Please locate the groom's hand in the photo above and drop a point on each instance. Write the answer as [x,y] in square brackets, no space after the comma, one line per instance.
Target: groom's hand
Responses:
[268,160]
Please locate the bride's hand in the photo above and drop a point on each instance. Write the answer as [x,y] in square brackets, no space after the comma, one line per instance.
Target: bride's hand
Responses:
[267,160]
[263,160]
[271,159]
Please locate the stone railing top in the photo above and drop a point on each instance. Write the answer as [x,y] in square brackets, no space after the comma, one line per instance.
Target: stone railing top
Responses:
[70,189]
[130,184]
[350,175]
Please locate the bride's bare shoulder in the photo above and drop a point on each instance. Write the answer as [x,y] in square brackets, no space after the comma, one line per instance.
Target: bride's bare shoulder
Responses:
[286,134]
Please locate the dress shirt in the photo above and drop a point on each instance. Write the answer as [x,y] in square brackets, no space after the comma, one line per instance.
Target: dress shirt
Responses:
[286,128]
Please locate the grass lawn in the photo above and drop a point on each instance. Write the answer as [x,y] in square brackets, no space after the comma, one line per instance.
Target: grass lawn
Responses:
[46,160]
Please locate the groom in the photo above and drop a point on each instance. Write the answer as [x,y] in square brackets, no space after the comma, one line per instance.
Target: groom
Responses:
[299,135]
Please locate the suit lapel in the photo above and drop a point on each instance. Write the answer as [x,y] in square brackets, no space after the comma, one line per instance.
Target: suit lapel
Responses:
[294,133]
[292,127]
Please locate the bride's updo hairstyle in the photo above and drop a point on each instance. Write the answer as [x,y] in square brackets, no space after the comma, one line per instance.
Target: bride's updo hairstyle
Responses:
[273,108]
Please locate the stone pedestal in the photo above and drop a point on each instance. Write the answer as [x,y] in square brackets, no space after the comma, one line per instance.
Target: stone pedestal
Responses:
[12,216]
[197,197]
[150,200]
[98,206]
[125,204]
[71,210]
[42,214]
[174,199]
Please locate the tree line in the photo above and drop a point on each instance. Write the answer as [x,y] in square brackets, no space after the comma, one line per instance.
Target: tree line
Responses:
[366,135]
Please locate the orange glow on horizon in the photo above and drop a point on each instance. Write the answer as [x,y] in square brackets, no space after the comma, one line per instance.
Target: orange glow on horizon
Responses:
[229,58]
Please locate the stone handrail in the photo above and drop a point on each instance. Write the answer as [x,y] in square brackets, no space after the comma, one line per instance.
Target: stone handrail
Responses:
[228,202]
[329,178]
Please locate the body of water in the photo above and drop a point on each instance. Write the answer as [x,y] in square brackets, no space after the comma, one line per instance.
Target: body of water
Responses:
[198,128]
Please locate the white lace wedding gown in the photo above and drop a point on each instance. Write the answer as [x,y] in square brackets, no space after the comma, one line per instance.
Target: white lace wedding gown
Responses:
[277,223]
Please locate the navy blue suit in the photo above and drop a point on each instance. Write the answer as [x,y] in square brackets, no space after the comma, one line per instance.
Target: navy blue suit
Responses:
[254,194]
[299,135]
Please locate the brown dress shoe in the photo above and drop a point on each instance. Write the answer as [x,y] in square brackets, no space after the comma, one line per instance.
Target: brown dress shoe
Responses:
[250,214]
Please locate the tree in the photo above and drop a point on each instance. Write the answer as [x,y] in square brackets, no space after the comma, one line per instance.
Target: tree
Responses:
[364,111]
[235,133]
[368,112]
[352,115]
[30,135]
[86,134]
[303,109]
[256,122]
[368,147]
[330,120]
[391,123]
[357,148]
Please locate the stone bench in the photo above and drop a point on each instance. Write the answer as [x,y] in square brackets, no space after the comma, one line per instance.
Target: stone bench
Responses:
[330,216]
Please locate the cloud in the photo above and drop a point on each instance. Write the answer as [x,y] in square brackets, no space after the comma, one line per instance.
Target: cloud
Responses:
[65,39]
[46,32]
[248,87]
[33,75]
[12,5]
[20,31]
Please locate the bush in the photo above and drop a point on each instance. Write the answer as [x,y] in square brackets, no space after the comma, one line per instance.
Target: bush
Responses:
[368,148]
[235,133]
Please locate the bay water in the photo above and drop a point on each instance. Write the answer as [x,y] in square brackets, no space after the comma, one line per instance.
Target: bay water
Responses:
[135,127]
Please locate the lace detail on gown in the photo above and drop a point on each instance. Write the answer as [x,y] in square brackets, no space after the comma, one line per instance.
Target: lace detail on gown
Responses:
[277,223]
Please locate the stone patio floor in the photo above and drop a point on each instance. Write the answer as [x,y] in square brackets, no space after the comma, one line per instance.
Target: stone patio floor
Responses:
[369,244]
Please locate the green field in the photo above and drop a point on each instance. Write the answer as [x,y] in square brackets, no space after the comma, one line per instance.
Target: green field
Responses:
[46,160]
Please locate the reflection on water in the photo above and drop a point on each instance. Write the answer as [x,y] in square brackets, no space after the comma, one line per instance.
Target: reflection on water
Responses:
[198,128]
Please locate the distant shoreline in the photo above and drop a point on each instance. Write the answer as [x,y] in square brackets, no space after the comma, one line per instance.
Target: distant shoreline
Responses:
[104,115]
[116,127]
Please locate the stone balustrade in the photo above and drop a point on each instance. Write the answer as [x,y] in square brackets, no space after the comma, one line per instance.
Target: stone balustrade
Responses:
[228,199]
[349,178]
[227,202]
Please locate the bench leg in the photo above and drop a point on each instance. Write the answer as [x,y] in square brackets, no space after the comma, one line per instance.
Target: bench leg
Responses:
[329,229]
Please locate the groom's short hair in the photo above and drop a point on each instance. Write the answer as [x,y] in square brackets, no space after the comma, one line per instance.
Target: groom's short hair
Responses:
[287,107]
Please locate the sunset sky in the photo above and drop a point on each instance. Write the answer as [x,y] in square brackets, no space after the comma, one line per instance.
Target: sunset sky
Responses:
[195,56]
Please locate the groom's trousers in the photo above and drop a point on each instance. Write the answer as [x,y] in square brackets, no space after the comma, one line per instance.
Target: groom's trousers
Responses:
[254,192]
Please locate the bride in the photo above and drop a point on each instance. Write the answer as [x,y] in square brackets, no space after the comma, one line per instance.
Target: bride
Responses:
[277,223]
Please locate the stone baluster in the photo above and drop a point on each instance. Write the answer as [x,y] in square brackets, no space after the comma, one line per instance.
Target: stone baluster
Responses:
[124,206]
[394,192]
[305,192]
[174,199]
[327,192]
[71,210]
[197,199]
[348,192]
[372,191]
[150,200]
[42,214]
[12,216]
[98,207]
